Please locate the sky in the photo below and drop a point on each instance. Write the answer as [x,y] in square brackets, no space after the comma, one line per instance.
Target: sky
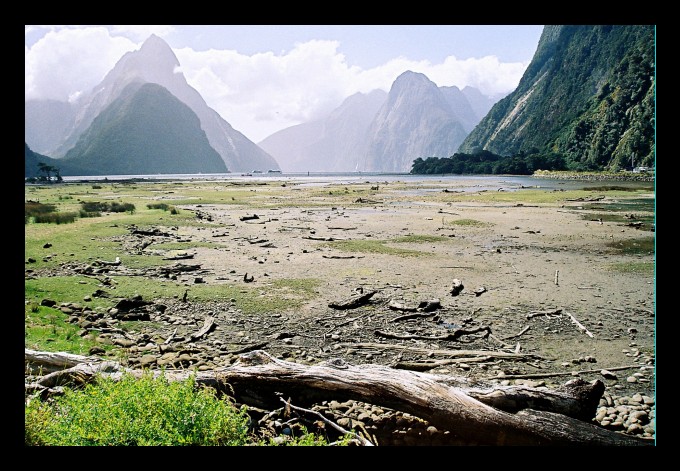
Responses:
[264,78]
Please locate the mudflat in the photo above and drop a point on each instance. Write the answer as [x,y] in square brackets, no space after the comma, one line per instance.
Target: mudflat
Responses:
[565,277]
[493,280]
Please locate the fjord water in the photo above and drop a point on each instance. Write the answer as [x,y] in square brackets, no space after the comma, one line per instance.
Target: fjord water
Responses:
[459,182]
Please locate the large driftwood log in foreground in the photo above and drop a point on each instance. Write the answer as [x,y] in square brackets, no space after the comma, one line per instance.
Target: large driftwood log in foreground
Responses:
[259,380]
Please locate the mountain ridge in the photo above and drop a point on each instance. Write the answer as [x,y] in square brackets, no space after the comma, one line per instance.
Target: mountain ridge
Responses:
[382,131]
[588,95]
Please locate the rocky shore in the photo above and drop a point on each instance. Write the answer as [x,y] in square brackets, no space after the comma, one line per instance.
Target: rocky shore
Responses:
[597,176]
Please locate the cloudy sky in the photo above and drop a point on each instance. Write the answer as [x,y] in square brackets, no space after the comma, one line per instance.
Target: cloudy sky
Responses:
[263,78]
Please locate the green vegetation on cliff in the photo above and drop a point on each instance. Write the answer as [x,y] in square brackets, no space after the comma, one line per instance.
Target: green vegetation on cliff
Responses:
[488,163]
[145,131]
[588,95]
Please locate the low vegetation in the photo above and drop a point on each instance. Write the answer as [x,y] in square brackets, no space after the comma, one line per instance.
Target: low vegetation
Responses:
[467,222]
[147,411]
[372,247]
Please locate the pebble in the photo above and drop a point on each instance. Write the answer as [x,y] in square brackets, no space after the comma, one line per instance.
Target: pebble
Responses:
[633,414]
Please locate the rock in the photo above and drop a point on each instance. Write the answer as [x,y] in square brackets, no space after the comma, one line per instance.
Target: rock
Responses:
[608,374]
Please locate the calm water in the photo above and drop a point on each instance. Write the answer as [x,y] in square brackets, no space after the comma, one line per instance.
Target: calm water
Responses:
[458,182]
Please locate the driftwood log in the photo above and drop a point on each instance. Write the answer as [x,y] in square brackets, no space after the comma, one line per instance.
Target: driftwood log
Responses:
[513,416]
[354,302]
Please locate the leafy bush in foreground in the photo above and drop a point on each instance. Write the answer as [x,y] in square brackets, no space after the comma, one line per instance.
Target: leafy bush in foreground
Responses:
[143,411]
[136,412]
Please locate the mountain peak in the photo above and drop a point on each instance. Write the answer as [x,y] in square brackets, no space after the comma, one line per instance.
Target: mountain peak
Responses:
[154,44]
[410,81]
[158,52]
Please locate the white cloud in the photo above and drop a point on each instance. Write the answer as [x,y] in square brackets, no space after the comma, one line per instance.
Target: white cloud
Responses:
[140,32]
[70,61]
[488,74]
[257,94]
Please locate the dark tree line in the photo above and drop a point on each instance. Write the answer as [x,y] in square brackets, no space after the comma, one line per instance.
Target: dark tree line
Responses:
[50,173]
[484,162]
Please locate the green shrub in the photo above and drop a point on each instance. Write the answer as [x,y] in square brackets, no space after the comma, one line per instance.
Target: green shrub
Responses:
[163,206]
[55,218]
[136,412]
[93,206]
[34,208]
[122,208]
[96,208]
[89,214]
[147,411]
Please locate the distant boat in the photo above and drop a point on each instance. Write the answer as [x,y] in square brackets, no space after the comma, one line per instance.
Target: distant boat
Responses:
[256,171]
[273,171]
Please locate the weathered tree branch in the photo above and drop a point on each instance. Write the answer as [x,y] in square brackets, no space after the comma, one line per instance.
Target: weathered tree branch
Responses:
[259,379]
[354,302]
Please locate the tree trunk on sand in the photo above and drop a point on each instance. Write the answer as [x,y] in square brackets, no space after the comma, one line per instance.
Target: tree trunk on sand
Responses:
[477,417]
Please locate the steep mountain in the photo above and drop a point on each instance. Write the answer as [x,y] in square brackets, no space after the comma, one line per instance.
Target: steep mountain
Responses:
[155,62]
[415,121]
[461,108]
[46,122]
[480,103]
[588,95]
[419,118]
[333,144]
[146,130]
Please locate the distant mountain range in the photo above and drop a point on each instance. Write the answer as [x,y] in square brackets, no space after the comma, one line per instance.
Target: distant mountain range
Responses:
[66,135]
[382,132]
[588,97]
[113,130]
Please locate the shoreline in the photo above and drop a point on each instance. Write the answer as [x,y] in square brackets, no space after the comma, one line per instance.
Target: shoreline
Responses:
[596,176]
[541,174]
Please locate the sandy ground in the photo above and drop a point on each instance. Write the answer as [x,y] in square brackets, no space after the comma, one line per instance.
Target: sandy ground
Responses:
[539,275]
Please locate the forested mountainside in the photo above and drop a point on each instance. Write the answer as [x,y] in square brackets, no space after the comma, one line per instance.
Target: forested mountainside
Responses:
[588,96]
[144,130]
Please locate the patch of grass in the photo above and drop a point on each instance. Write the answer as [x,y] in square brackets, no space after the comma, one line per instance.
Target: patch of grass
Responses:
[163,206]
[47,329]
[418,239]
[136,412]
[535,196]
[639,268]
[358,272]
[468,223]
[279,295]
[373,247]
[646,222]
[639,246]
[88,239]
[613,188]
[148,411]
[84,241]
